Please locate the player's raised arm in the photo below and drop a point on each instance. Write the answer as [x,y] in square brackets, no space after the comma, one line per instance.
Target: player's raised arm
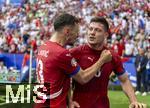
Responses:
[83,76]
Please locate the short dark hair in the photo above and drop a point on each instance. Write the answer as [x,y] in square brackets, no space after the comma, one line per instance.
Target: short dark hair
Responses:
[101,20]
[64,19]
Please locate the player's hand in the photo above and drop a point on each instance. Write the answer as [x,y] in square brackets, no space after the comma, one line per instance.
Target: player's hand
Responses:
[74,104]
[137,105]
[106,56]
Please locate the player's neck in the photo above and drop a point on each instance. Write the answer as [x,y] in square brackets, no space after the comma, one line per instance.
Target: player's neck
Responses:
[58,38]
[96,46]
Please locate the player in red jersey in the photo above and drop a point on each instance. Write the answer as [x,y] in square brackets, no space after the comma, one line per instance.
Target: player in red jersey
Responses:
[94,93]
[55,64]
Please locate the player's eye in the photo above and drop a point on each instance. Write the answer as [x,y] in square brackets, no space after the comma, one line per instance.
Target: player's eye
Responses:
[90,28]
[98,30]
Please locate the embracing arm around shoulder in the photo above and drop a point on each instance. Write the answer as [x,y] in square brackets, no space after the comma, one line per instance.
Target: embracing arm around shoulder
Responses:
[83,76]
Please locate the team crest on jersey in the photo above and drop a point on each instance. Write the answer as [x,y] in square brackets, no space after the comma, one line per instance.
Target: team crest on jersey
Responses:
[73,62]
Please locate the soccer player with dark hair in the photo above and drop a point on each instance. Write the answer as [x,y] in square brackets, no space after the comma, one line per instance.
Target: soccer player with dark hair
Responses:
[94,93]
[55,64]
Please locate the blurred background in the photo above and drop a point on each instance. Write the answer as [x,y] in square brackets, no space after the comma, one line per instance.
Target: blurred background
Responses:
[26,24]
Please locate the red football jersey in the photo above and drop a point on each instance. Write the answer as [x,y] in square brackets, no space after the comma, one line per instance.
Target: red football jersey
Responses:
[55,66]
[94,93]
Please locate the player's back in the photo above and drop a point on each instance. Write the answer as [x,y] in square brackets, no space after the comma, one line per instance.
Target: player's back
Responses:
[49,71]
[48,55]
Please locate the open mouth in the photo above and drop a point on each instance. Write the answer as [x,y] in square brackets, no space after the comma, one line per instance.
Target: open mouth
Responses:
[91,38]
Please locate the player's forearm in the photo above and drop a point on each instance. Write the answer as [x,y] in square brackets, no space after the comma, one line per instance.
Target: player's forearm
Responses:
[129,91]
[70,94]
[89,73]
[84,76]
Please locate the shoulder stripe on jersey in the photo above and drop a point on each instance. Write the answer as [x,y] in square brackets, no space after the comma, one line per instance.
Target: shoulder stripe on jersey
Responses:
[75,71]
[120,73]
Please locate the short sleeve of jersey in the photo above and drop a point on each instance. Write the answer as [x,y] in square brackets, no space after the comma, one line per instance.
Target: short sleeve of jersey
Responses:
[117,65]
[75,52]
[68,64]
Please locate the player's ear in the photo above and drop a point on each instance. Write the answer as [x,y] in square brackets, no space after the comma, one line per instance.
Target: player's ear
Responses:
[106,35]
[66,31]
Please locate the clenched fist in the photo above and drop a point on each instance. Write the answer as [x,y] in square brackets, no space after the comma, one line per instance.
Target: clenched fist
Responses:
[106,56]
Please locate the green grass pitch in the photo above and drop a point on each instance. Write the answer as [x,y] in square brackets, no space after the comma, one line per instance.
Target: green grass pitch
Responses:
[119,100]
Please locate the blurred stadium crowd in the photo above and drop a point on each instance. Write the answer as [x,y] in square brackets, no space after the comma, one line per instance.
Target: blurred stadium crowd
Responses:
[31,23]
[28,25]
